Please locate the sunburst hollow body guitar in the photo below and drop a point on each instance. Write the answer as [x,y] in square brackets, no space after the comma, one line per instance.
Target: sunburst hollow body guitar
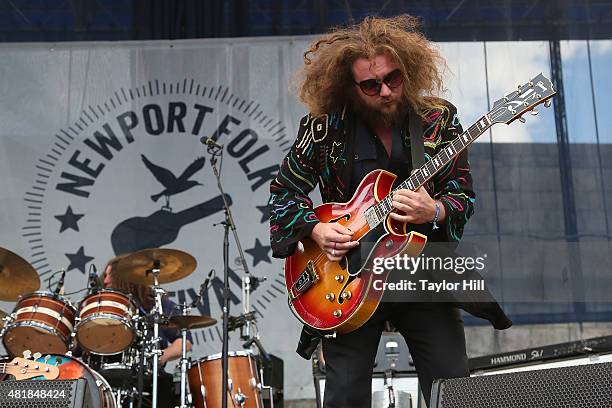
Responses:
[340,296]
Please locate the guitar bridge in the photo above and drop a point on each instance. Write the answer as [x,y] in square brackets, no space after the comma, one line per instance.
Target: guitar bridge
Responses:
[304,281]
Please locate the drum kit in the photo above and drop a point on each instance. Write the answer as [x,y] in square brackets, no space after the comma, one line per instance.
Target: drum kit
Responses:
[109,340]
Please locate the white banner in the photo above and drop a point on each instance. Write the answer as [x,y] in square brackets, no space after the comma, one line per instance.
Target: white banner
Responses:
[101,155]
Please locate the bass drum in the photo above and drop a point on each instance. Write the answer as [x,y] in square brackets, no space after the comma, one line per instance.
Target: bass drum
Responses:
[120,370]
[101,394]
[205,381]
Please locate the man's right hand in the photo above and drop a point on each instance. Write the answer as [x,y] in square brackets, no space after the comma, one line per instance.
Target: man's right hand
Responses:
[334,239]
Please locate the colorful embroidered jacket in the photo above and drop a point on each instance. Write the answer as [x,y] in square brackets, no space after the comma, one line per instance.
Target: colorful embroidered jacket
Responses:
[323,154]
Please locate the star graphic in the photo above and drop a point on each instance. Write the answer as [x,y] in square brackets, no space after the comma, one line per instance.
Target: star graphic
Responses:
[78,260]
[69,220]
[259,253]
[265,212]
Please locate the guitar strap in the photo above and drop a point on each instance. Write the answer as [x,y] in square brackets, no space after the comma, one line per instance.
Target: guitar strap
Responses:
[416,139]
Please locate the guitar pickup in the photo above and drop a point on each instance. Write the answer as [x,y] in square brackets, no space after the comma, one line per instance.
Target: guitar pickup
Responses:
[306,279]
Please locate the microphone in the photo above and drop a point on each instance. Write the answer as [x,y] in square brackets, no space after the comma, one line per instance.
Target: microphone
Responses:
[207,281]
[59,288]
[203,289]
[94,279]
[210,142]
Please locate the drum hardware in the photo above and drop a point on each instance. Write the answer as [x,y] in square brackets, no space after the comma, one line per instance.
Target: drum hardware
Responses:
[262,358]
[153,267]
[17,276]
[185,322]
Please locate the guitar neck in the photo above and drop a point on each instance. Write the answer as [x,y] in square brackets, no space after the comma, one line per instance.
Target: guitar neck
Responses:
[421,175]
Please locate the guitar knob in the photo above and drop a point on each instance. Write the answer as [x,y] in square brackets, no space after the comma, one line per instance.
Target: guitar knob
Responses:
[347,295]
[339,278]
[389,244]
[337,313]
[330,296]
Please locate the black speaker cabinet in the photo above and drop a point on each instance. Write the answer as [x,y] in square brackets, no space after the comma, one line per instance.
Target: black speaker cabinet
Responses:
[44,394]
[581,386]
[273,376]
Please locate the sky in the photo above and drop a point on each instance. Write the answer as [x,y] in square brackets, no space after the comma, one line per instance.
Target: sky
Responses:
[475,67]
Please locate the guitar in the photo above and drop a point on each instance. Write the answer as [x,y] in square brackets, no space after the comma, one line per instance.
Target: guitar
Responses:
[340,296]
[23,369]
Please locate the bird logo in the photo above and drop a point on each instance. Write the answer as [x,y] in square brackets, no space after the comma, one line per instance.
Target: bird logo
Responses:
[172,184]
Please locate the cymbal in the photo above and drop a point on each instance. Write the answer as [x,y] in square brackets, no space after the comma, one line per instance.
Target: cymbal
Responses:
[17,276]
[173,265]
[190,322]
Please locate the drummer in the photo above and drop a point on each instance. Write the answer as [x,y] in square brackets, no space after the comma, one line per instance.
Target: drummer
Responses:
[171,341]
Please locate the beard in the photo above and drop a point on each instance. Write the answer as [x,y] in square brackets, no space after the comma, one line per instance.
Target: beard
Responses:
[370,114]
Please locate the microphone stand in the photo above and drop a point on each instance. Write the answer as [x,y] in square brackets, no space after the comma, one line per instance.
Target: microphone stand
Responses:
[228,223]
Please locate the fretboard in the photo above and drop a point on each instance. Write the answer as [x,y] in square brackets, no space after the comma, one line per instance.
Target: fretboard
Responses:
[420,176]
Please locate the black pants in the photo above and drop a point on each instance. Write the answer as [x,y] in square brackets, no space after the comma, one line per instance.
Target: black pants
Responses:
[434,335]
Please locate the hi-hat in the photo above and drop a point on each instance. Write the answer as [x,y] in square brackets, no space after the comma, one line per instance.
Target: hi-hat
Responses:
[190,322]
[173,265]
[17,276]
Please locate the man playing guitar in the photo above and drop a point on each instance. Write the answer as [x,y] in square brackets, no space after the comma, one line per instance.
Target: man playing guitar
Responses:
[359,84]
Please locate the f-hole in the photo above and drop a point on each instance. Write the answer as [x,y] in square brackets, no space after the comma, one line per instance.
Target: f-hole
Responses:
[344,217]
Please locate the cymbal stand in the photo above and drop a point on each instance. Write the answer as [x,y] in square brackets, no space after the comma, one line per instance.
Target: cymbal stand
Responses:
[184,361]
[157,314]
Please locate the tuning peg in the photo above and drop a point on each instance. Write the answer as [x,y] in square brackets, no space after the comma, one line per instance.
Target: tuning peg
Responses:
[47,357]
[27,354]
[522,119]
[534,112]
[37,355]
[547,103]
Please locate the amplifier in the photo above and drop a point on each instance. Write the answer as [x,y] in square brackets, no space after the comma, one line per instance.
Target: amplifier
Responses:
[536,355]
[273,376]
[582,386]
[45,394]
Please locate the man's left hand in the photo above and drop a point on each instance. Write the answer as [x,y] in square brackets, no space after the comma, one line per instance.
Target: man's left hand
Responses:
[418,207]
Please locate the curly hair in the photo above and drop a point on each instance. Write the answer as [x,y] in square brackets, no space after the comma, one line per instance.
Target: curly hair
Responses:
[326,75]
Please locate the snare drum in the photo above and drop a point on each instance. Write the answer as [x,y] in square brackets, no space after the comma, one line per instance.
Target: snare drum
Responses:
[41,322]
[106,323]
[206,376]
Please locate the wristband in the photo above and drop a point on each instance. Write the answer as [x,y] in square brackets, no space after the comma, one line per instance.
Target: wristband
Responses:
[435,219]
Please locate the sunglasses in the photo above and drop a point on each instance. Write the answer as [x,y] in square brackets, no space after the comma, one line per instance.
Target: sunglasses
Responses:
[372,86]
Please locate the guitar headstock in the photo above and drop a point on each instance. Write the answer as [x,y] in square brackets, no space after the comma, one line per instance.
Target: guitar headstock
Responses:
[527,96]
[23,368]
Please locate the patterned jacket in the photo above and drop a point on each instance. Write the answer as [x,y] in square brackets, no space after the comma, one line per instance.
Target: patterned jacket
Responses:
[323,154]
